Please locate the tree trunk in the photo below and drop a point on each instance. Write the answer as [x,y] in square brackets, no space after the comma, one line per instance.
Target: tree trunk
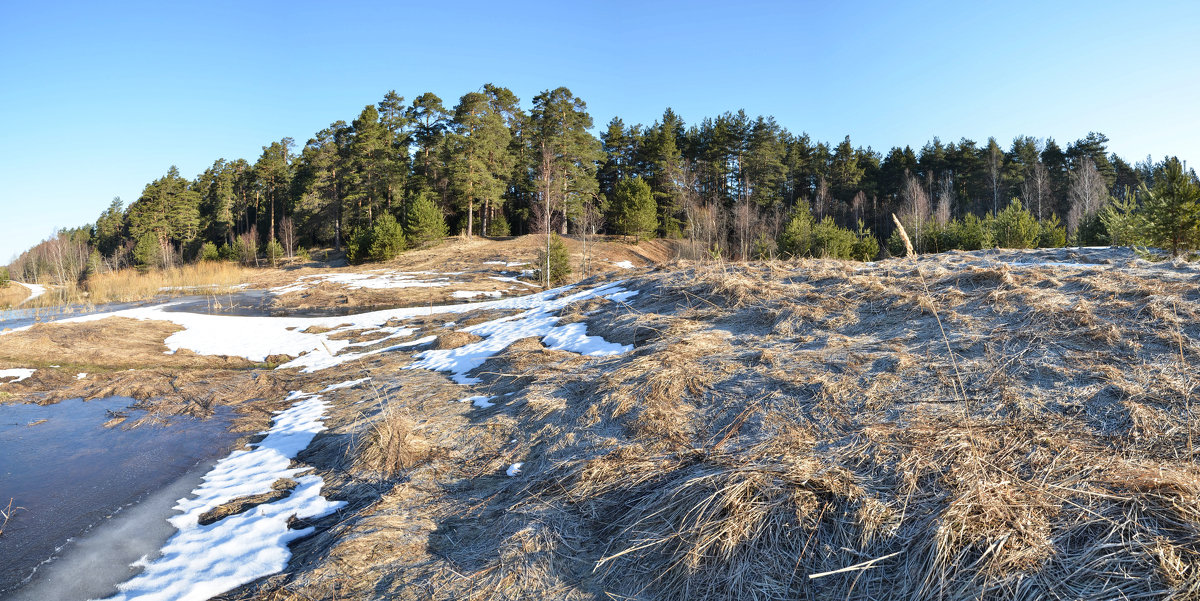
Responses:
[470,217]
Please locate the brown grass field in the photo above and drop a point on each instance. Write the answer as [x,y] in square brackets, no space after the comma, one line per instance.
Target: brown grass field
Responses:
[1013,425]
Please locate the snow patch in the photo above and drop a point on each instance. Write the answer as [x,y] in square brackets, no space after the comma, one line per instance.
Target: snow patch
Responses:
[624,264]
[376,280]
[514,470]
[346,384]
[81,375]
[200,562]
[256,338]
[482,402]
[539,321]
[35,290]
[20,373]
[476,293]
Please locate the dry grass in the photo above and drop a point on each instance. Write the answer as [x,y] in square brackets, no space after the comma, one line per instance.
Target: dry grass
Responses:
[394,444]
[944,428]
[205,278]
[12,295]
[6,514]
[200,278]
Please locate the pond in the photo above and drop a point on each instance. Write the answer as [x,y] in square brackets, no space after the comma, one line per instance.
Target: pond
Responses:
[66,474]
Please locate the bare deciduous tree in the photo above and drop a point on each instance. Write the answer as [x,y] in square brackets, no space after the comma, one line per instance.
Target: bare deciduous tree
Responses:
[915,211]
[287,236]
[1036,188]
[745,227]
[822,200]
[1088,194]
[945,199]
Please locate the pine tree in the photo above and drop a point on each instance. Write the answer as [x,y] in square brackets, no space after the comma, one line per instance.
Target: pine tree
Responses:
[168,211]
[424,223]
[796,238]
[367,168]
[1173,208]
[387,238]
[636,212]
[556,259]
[479,159]
[273,175]
[109,228]
[567,154]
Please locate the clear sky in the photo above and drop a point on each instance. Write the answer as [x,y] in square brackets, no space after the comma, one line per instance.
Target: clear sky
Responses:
[97,99]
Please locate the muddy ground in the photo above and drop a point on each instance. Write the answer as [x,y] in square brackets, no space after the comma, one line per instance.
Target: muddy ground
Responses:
[1013,424]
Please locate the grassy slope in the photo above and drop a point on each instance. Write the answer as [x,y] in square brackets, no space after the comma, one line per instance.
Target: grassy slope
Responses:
[956,427]
[780,423]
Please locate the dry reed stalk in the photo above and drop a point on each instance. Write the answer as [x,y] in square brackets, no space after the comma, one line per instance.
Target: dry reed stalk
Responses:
[200,278]
[6,514]
[903,236]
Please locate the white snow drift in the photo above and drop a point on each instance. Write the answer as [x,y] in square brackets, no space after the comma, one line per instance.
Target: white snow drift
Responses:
[199,562]
[20,373]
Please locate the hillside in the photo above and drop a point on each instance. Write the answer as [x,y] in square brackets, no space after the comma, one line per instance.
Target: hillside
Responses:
[1012,424]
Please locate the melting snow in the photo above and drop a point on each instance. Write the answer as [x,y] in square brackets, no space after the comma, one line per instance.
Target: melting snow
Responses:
[256,338]
[19,373]
[514,469]
[479,401]
[624,264]
[347,384]
[35,290]
[373,279]
[199,562]
[81,375]
[539,321]
[475,293]
[512,280]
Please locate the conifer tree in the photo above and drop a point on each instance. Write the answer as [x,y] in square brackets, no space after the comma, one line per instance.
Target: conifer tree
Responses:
[387,238]
[479,156]
[109,228]
[1173,208]
[168,211]
[637,215]
[423,222]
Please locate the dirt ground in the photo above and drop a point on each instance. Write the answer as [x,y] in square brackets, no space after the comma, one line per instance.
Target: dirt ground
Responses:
[997,424]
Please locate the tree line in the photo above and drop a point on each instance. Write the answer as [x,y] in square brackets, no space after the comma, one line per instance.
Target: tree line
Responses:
[406,173]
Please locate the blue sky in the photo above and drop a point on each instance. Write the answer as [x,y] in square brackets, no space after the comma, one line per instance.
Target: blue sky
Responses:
[97,99]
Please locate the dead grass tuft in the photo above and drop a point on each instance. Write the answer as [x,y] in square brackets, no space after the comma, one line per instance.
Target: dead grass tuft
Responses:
[455,339]
[394,444]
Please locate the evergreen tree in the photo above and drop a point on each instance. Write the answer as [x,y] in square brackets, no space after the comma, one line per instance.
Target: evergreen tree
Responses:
[636,213]
[168,211]
[1015,227]
[556,259]
[272,173]
[566,154]
[368,157]
[479,158]
[796,238]
[387,238]
[663,163]
[110,228]
[424,223]
[319,183]
[428,120]
[1173,208]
